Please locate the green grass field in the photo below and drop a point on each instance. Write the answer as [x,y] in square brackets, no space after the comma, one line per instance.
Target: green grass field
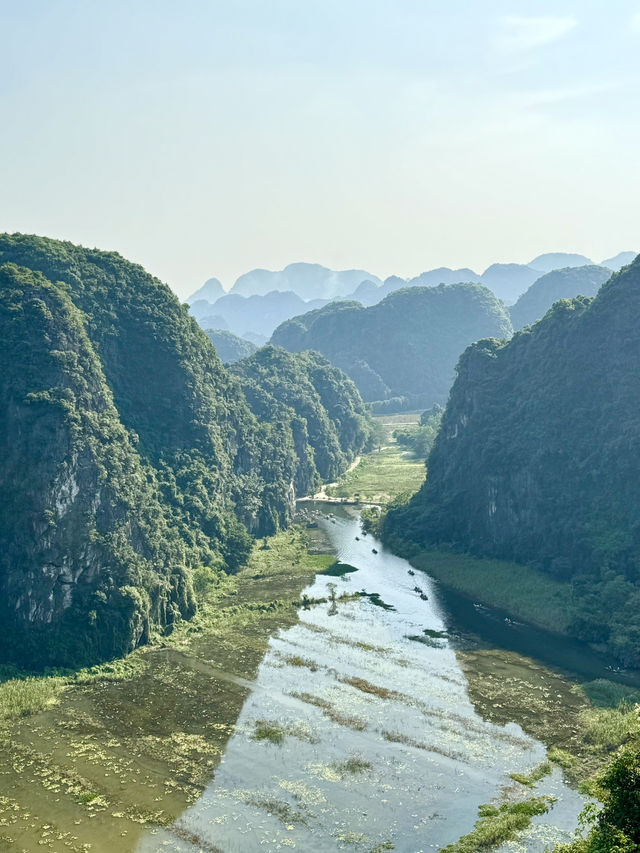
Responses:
[384,473]
[381,476]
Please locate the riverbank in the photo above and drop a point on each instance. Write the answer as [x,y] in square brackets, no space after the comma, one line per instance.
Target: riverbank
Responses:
[523,593]
[603,715]
[88,759]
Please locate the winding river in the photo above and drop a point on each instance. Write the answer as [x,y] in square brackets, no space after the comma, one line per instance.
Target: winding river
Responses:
[362,731]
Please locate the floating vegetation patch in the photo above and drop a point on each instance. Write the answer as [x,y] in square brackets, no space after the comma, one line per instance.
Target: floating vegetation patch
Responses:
[196,840]
[338,570]
[303,793]
[374,598]
[399,737]
[265,730]
[306,602]
[297,660]
[331,712]
[302,731]
[532,778]
[280,809]
[336,638]
[426,641]
[347,836]
[372,689]
[435,635]
[381,848]
[353,765]
[498,824]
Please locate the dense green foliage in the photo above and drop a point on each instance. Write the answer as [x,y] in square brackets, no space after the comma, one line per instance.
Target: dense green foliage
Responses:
[129,455]
[314,403]
[538,459]
[405,348]
[559,284]
[420,439]
[615,828]
[230,347]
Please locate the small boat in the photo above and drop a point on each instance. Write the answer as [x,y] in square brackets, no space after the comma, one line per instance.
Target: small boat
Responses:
[424,596]
[357,538]
[417,589]
[373,551]
[411,572]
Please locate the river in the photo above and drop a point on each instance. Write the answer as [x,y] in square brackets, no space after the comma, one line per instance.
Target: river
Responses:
[364,730]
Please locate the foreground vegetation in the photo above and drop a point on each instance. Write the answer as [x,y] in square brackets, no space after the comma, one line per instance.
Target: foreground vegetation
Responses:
[109,751]
[497,824]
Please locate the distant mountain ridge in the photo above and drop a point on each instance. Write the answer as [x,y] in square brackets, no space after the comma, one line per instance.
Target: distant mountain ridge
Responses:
[308,281]
[230,347]
[559,260]
[309,286]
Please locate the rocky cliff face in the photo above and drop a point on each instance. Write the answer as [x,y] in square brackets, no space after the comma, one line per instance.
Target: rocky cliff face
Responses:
[87,563]
[519,468]
[538,458]
[129,456]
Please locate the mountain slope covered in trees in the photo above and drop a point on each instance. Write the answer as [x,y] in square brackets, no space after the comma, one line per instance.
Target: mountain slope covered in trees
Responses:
[130,455]
[538,459]
[559,284]
[314,402]
[230,347]
[401,352]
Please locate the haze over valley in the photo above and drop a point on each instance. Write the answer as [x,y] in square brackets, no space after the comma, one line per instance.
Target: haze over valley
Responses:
[339,555]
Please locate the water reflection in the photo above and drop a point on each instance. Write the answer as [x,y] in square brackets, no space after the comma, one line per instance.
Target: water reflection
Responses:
[359,733]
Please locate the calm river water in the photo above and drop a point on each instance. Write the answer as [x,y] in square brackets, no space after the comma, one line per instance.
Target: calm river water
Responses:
[360,732]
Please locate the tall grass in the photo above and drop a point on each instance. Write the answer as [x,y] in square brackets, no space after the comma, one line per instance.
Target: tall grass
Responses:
[20,697]
[523,592]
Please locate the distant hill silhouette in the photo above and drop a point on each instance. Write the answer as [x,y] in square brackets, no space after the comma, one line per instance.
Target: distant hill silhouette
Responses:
[308,281]
[230,347]
[559,260]
[620,260]
[210,291]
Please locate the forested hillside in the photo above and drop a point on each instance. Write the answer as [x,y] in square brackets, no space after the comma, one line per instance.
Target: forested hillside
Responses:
[401,353]
[538,459]
[130,455]
[317,406]
[559,284]
[230,347]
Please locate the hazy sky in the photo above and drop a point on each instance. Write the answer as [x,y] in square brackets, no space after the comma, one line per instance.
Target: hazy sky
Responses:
[207,138]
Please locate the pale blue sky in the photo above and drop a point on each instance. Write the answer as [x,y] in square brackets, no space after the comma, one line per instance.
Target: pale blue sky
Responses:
[208,138]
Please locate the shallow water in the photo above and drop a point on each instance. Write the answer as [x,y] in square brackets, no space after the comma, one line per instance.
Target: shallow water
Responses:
[373,737]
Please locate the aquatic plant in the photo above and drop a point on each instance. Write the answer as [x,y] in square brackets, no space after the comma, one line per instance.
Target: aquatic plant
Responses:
[530,779]
[498,824]
[265,730]
[354,764]
[331,712]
